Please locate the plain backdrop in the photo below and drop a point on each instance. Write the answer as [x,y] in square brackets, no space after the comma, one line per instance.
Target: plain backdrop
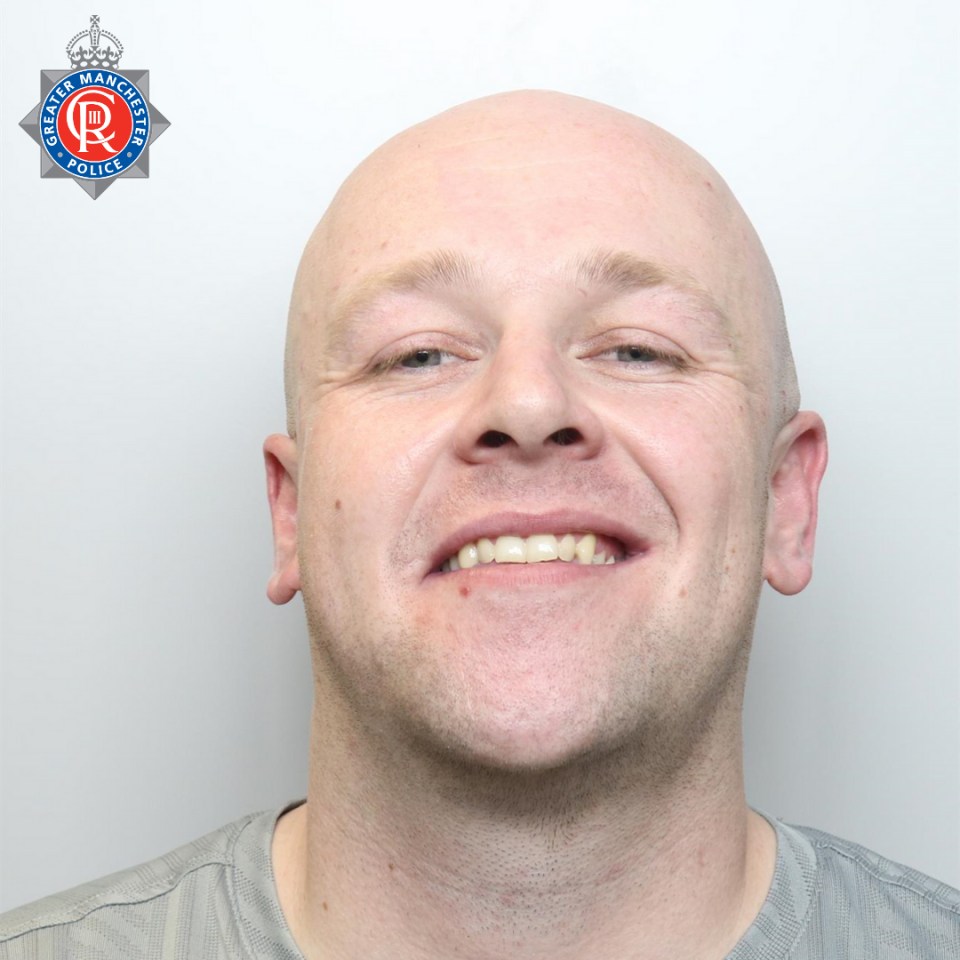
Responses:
[150,693]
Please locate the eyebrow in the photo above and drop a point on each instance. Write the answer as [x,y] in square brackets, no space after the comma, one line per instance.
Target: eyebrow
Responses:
[432,271]
[626,272]
[448,269]
[622,271]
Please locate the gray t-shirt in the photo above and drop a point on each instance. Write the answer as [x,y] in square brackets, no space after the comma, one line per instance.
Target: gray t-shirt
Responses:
[215,899]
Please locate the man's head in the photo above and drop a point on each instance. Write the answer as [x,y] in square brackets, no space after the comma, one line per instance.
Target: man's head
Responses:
[537,315]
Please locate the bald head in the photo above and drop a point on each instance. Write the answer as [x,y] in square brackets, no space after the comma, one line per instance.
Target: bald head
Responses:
[515,173]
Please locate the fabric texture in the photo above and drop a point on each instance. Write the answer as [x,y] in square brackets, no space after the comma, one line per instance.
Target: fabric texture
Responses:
[215,899]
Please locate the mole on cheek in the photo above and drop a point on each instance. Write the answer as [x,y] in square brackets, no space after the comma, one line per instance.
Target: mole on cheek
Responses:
[336,504]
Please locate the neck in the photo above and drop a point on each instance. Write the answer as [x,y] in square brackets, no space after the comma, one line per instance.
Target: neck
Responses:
[615,855]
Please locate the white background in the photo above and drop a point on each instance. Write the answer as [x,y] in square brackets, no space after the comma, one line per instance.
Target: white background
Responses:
[150,692]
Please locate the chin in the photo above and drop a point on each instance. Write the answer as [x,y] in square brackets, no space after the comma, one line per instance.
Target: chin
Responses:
[523,744]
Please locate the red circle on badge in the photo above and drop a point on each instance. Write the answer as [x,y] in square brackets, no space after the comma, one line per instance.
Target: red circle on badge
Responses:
[94,123]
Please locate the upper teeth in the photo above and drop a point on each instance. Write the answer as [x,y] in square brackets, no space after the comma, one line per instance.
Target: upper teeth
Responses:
[538,548]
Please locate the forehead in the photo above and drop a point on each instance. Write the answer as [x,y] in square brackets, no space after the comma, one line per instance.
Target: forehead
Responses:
[532,201]
[524,190]
[530,198]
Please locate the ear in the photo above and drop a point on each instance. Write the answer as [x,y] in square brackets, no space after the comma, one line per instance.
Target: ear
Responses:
[799,459]
[280,457]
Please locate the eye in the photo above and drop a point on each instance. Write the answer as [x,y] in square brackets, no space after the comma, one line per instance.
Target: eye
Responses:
[638,354]
[419,358]
[416,359]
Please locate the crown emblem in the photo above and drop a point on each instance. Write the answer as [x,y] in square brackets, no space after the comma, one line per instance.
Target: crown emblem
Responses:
[94,55]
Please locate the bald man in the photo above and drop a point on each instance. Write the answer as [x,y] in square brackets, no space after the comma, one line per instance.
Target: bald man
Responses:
[543,448]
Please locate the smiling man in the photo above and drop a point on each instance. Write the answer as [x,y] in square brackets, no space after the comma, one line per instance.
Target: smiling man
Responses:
[543,449]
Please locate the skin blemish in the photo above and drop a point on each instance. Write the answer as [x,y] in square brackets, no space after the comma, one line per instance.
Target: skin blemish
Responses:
[390,865]
[683,591]
[464,591]
[325,907]
[614,873]
[336,504]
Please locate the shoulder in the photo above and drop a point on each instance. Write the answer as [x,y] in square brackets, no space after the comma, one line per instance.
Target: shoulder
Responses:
[869,906]
[135,912]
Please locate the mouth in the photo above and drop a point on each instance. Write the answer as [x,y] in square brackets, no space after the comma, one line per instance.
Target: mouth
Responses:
[583,548]
[557,538]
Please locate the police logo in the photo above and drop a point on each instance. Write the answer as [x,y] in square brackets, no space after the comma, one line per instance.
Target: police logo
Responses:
[94,124]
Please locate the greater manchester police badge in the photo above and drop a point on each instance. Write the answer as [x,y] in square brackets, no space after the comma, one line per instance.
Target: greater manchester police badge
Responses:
[94,124]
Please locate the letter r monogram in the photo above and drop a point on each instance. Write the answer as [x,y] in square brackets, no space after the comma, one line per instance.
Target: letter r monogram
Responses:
[91,112]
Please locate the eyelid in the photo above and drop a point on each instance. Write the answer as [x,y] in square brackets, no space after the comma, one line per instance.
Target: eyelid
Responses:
[449,348]
[662,348]
[393,361]
[656,354]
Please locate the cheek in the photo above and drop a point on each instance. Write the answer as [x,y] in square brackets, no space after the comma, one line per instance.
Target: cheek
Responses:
[708,440]
[362,472]
[701,453]
[330,509]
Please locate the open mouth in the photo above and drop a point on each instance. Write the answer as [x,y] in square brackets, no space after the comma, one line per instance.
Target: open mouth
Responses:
[580,548]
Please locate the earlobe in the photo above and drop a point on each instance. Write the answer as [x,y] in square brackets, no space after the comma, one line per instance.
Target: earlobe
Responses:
[800,458]
[280,459]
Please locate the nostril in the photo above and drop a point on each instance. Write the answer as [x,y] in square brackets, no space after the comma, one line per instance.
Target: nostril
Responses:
[494,438]
[566,436]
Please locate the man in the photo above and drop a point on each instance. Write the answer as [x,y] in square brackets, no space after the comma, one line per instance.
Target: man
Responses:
[543,449]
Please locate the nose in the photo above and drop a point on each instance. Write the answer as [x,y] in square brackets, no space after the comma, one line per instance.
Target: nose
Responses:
[528,405]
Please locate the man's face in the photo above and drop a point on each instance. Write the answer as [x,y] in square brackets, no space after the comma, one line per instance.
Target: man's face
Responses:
[517,332]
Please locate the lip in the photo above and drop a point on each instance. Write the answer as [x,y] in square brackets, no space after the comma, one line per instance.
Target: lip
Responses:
[523,524]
